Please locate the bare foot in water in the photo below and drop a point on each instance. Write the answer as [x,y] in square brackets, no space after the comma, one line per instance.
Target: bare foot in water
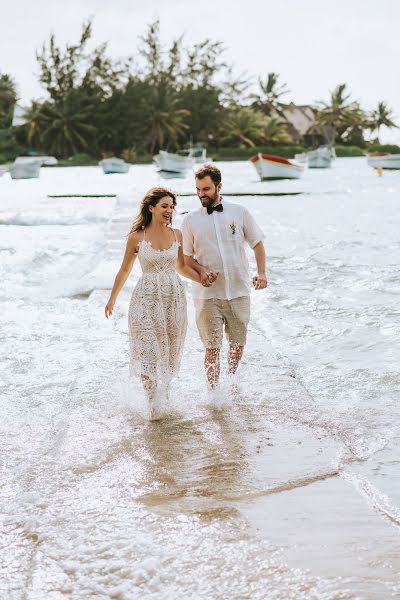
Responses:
[154,414]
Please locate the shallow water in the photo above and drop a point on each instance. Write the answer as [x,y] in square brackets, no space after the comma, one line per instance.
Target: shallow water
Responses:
[288,488]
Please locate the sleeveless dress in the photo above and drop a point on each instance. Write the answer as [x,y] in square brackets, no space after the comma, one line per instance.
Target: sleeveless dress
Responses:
[157,316]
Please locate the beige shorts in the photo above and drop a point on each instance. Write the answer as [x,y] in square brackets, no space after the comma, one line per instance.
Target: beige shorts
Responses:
[213,315]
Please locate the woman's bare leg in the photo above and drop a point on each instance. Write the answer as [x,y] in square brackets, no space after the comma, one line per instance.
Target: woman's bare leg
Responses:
[150,388]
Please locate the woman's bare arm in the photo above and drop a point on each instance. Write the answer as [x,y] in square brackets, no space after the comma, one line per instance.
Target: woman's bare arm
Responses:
[130,255]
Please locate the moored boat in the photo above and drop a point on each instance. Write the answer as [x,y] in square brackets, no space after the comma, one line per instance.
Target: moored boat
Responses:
[276,167]
[199,153]
[114,165]
[173,162]
[49,161]
[45,161]
[321,158]
[383,160]
[25,169]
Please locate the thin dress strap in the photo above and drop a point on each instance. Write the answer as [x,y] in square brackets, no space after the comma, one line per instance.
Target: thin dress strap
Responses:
[144,233]
[173,231]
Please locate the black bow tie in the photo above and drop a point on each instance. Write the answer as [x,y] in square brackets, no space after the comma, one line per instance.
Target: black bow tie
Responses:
[218,208]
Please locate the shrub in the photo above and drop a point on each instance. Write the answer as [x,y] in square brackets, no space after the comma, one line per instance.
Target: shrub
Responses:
[346,151]
[9,149]
[384,148]
[243,153]
[81,159]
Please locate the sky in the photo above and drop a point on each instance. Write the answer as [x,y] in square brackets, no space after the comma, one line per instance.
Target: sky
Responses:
[312,44]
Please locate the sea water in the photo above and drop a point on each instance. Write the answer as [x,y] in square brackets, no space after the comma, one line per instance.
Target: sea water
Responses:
[286,488]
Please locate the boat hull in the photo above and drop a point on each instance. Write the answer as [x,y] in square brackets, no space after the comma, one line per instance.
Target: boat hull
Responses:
[25,169]
[384,161]
[114,165]
[45,161]
[173,163]
[271,167]
[319,159]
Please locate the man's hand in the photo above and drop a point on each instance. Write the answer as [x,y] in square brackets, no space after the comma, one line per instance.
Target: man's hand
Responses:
[260,281]
[207,277]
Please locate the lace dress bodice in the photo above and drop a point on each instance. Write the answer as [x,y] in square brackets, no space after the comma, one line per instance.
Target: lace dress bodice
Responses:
[157,262]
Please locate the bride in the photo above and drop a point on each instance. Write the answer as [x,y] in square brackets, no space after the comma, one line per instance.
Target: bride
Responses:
[157,315]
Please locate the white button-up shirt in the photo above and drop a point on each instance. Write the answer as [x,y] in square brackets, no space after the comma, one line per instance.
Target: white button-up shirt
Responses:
[217,242]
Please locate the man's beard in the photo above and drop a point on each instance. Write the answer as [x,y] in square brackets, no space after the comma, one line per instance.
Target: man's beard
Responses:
[208,201]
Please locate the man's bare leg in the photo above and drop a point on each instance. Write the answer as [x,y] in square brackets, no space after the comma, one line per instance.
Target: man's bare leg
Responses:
[235,353]
[212,367]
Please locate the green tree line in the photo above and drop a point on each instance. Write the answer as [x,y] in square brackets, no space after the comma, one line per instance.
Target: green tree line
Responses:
[165,98]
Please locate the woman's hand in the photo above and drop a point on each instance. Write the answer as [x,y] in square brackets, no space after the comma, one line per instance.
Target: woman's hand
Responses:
[109,309]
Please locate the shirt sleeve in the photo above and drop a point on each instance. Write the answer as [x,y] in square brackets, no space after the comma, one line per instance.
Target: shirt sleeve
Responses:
[188,239]
[252,232]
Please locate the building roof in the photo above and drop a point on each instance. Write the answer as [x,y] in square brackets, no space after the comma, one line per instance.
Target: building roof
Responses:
[301,117]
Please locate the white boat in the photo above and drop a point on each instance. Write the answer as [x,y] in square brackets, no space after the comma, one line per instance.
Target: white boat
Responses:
[321,158]
[276,167]
[114,165]
[49,161]
[45,161]
[199,153]
[383,160]
[173,163]
[25,169]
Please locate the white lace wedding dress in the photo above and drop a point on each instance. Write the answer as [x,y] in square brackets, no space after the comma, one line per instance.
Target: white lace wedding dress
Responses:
[157,315]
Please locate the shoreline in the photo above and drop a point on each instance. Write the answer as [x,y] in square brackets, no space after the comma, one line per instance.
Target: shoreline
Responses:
[234,155]
[149,162]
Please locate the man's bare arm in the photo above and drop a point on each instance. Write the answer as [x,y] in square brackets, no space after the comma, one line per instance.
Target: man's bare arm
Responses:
[260,280]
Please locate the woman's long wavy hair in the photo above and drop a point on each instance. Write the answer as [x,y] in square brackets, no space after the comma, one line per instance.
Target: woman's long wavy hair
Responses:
[153,196]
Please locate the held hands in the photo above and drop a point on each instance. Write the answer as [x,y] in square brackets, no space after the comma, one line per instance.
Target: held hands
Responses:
[260,281]
[208,277]
[108,311]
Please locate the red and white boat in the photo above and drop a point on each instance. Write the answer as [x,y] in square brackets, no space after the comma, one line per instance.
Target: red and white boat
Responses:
[276,167]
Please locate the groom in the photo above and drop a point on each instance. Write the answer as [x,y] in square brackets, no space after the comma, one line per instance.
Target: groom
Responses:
[214,238]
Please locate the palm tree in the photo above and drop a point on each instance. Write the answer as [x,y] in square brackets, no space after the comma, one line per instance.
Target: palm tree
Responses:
[268,101]
[382,115]
[34,124]
[8,98]
[66,127]
[335,112]
[249,126]
[164,119]
[244,126]
[341,114]
[275,131]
